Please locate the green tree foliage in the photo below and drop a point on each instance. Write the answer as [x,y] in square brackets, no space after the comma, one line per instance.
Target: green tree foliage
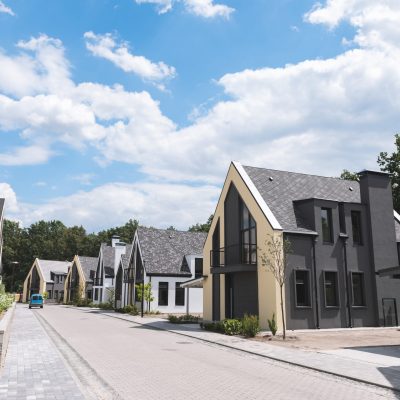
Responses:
[391,165]
[202,227]
[350,176]
[51,240]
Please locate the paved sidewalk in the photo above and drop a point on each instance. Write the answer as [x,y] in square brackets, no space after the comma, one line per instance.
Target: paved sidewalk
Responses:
[378,370]
[34,369]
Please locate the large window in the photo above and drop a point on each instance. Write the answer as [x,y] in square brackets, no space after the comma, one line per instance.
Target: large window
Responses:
[357,283]
[179,295]
[302,288]
[326,221]
[331,289]
[248,236]
[198,267]
[49,294]
[163,293]
[356,227]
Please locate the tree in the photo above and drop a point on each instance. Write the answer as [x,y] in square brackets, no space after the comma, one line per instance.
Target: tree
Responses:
[275,259]
[202,227]
[350,176]
[171,228]
[391,165]
[148,294]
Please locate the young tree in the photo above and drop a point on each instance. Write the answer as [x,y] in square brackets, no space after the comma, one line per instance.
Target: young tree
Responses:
[350,176]
[202,227]
[391,165]
[275,259]
[148,294]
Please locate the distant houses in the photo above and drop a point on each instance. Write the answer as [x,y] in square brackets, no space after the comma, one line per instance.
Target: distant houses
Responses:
[2,202]
[46,276]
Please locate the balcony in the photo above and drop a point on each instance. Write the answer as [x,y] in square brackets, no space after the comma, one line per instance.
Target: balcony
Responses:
[97,281]
[234,258]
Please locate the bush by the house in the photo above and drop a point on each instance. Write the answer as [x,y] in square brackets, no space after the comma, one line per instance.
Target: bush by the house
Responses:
[250,325]
[212,326]
[83,303]
[273,327]
[129,309]
[232,326]
[183,319]
[105,306]
[6,299]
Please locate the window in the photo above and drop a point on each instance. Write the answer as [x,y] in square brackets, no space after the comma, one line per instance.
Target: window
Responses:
[302,288]
[248,236]
[49,294]
[179,295]
[356,227]
[326,221]
[331,289]
[357,283]
[198,267]
[163,293]
[96,294]
[56,294]
[89,294]
[61,279]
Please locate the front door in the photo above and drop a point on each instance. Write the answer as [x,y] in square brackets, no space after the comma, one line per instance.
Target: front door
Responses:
[390,312]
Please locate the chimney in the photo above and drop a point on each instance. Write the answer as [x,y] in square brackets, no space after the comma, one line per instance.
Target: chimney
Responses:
[120,248]
[114,240]
[376,194]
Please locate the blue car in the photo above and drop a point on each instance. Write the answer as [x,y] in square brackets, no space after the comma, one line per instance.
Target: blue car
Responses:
[36,301]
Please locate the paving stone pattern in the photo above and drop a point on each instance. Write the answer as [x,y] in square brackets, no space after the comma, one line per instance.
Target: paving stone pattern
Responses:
[142,363]
[34,370]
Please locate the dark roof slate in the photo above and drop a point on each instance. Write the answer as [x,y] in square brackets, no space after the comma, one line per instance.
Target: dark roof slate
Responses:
[286,187]
[88,264]
[164,250]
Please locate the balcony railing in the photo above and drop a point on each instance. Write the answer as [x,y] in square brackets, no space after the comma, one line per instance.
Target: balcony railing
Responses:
[98,282]
[237,254]
[129,275]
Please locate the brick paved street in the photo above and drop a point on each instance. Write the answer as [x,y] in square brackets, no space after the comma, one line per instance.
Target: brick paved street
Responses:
[33,369]
[141,363]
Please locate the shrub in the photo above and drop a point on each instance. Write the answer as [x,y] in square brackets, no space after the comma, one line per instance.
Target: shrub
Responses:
[273,327]
[83,303]
[105,306]
[232,326]
[182,319]
[250,325]
[129,309]
[6,301]
[213,326]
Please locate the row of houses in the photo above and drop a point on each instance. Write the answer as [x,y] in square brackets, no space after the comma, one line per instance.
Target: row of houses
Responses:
[343,267]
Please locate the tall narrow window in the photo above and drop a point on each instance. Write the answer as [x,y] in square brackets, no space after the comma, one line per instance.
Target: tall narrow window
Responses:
[302,288]
[356,227]
[198,267]
[357,283]
[248,236]
[326,222]
[179,295]
[163,293]
[331,292]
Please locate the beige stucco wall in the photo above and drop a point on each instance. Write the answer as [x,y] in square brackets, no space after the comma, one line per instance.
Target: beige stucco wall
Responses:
[82,280]
[42,284]
[268,289]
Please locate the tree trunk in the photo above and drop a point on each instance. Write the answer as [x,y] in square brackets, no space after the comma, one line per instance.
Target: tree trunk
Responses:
[283,314]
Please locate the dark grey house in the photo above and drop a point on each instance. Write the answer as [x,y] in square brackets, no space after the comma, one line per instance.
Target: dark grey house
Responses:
[344,259]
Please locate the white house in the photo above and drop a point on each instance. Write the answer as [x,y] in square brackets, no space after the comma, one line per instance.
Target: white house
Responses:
[166,259]
[108,262]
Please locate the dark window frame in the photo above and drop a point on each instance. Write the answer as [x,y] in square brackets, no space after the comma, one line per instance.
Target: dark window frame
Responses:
[358,231]
[162,289]
[364,301]
[337,305]
[197,262]
[179,290]
[308,292]
[330,226]
[251,257]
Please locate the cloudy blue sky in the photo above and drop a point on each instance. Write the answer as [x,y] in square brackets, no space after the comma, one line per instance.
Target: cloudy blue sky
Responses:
[111,110]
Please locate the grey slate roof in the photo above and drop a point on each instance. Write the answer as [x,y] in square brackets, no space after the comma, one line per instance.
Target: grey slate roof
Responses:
[48,266]
[108,255]
[88,264]
[164,250]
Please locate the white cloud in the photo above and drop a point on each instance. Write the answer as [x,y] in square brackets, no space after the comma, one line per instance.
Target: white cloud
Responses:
[84,179]
[201,8]
[115,203]
[5,9]
[105,46]
[30,155]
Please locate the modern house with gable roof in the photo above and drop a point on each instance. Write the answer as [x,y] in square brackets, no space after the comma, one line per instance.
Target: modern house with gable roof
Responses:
[46,276]
[2,202]
[79,280]
[166,259]
[344,235]
[106,270]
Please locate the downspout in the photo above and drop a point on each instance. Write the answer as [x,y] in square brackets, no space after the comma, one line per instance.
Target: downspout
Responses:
[314,241]
[347,281]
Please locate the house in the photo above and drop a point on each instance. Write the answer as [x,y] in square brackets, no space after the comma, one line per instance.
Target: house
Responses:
[46,276]
[341,233]
[107,266]
[2,201]
[79,280]
[166,259]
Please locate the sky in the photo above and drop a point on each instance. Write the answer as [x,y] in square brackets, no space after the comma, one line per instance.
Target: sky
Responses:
[119,109]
